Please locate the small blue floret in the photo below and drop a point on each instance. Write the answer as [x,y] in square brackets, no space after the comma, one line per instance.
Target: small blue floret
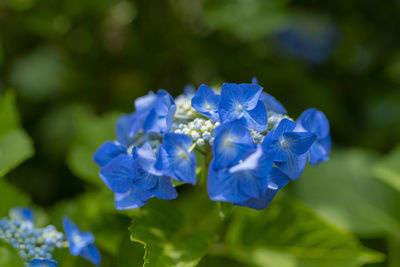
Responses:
[243,101]
[206,102]
[175,160]
[289,148]
[81,243]
[315,121]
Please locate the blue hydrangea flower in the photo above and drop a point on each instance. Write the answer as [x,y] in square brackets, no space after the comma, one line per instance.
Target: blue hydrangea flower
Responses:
[175,160]
[135,180]
[42,263]
[289,148]
[153,114]
[276,181]
[315,121]
[243,101]
[108,151]
[269,101]
[206,102]
[232,142]
[241,182]
[81,243]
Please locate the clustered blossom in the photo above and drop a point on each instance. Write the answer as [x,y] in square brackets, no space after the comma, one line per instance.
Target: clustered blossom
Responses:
[36,245]
[256,148]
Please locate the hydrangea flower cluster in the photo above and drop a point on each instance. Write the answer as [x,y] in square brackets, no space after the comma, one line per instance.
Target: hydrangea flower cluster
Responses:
[254,147]
[36,245]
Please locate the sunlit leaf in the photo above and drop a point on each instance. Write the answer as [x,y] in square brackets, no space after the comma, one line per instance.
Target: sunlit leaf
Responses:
[9,256]
[388,169]
[344,192]
[178,232]
[287,234]
[15,145]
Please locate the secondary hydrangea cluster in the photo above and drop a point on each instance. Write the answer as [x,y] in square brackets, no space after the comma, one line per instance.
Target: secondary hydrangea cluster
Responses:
[36,245]
[251,147]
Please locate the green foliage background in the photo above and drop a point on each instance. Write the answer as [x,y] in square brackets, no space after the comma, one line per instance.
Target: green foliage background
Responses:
[71,67]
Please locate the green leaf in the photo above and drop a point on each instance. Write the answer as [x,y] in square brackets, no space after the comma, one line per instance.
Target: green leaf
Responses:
[343,192]
[8,113]
[10,197]
[176,232]
[9,256]
[287,234]
[15,145]
[388,169]
[91,132]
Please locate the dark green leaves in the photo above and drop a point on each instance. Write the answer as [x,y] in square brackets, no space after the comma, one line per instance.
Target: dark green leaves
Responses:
[178,232]
[91,132]
[15,145]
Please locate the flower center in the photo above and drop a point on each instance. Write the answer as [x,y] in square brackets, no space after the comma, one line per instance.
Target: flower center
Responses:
[284,143]
[207,106]
[239,107]
[182,154]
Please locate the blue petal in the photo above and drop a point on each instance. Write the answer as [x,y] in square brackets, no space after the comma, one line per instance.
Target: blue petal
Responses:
[42,263]
[175,160]
[77,239]
[315,121]
[237,187]
[119,173]
[284,126]
[165,189]
[241,182]
[107,152]
[276,180]
[259,203]
[145,180]
[251,163]
[236,99]
[272,104]
[250,95]
[146,158]
[22,213]
[92,254]
[161,115]
[299,142]
[145,103]
[206,102]
[221,188]
[134,198]
[272,148]
[319,151]
[232,142]
[257,118]
[293,166]
[126,128]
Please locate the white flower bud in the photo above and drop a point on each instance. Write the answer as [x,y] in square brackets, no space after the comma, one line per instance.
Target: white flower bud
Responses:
[201,142]
[195,135]
[204,128]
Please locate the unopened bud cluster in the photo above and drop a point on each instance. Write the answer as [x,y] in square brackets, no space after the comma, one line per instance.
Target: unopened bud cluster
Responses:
[31,242]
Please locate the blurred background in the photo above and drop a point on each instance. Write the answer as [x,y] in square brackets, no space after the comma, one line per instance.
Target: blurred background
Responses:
[72,62]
